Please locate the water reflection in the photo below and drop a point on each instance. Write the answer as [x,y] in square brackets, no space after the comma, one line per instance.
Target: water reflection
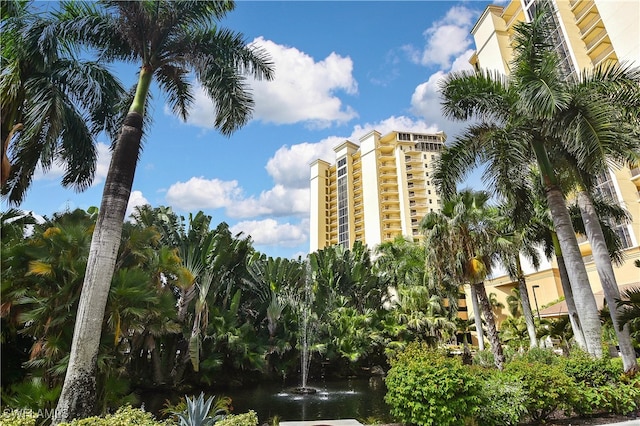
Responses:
[349,399]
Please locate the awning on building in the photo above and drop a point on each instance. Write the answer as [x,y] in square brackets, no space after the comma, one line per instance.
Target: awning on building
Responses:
[560,309]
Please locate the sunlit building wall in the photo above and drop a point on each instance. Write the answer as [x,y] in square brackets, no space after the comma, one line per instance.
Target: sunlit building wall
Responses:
[375,190]
[586,33]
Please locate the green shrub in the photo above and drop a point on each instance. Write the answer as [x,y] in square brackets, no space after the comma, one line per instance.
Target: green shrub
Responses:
[18,418]
[245,419]
[33,393]
[623,398]
[125,416]
[539,355]
[583,368]
[425,387]
[503,400]
[484,359]
[547,387]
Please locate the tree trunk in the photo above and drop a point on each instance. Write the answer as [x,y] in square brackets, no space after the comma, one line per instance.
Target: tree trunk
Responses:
[477,317]
[582,294]
[578,336]
[77,399]
[526,307]
[607,278]
[492,331]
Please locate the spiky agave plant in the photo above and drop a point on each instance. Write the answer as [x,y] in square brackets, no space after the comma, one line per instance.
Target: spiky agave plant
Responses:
[199,411]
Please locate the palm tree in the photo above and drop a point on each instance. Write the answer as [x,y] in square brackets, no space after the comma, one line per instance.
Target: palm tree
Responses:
[169,40]
[401,261]
[629,304]
[540,231]
[516,228]
[53,104]
[464,235]
[528,113]
[602,259]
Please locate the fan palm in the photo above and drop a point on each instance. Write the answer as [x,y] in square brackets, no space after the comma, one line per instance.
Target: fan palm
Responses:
[464,235]
[53,104]
[169,40]
[401,261]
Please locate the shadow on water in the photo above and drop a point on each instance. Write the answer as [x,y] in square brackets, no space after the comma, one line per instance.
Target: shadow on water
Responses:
[348,399]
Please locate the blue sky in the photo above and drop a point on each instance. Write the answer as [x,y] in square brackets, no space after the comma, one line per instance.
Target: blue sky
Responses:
[341,70]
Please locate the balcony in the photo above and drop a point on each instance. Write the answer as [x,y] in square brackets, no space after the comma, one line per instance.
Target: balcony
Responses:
[603,53]
[595,38]
[581,9]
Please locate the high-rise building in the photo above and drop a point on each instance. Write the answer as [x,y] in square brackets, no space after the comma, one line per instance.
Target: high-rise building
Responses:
[374,191]
[585,33]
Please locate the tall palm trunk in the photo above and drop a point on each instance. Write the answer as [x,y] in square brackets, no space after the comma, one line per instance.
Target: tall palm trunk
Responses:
[477,317]
[607,277]
[526,306]
[492,331]
[582,293]
[583,297]
[77,399]
[578,336]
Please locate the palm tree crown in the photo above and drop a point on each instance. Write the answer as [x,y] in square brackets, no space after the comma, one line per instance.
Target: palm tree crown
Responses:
[174,41]
[53,104]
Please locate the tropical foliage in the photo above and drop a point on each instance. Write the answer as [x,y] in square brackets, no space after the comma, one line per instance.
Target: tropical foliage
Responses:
[193,305]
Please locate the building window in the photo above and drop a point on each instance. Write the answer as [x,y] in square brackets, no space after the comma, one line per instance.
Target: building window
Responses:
[430,201]
[343,201]
[404,136]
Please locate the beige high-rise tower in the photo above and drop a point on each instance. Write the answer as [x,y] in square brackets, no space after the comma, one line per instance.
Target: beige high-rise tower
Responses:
[374,191]
[586,33]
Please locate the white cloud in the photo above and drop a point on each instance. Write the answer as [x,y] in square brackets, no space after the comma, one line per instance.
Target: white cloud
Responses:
[289,166]
[392,123]
[269,232]
[426,101]
[447,38]
[449,46]
[135,199]
[303,90]
[200,193]
[278,201]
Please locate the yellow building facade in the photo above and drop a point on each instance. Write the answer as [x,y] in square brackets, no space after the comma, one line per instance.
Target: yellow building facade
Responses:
[375,190]
[587,33]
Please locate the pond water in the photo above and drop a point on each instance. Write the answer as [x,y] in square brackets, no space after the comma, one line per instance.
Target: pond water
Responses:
[347,399]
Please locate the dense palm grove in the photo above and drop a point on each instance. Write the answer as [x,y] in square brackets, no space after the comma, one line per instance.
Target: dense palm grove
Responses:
[96,309]
[193,307]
